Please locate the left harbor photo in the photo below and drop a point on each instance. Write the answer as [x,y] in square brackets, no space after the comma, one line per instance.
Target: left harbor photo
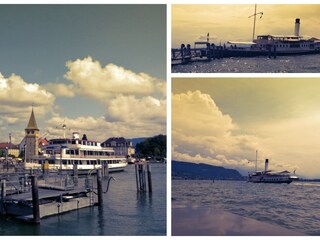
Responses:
[83,120]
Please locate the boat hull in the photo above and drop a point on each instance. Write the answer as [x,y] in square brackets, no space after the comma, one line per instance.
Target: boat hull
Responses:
[257,53]
[82,169]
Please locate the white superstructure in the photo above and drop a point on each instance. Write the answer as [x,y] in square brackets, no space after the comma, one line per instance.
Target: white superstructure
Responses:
[64,153]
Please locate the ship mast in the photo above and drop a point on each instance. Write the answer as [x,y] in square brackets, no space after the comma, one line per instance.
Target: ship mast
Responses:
[254,19]
[256,161]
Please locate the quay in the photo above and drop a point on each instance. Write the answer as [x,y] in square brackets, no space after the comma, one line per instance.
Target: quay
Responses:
[32,197]
[204,51]
[203,221]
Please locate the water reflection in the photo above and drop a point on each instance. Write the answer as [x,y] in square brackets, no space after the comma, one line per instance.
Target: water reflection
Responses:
[197,221]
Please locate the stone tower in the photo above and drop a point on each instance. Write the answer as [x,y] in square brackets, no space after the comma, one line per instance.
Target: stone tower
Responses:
[31,139]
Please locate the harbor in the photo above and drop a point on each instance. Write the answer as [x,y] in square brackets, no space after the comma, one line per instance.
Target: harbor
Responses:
[123,205]
[63,175]
[264,45]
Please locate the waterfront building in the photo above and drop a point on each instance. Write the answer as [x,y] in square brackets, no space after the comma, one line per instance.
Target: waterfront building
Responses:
[120,145]
[12,149]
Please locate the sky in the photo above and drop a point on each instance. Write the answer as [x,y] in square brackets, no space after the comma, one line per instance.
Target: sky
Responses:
[223,121]
[231,22]
[99,69]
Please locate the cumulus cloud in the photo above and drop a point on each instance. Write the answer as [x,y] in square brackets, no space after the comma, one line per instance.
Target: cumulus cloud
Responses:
[60,89]
[132,109]
[91,79]
[202,133]
[98,128]
[17,97]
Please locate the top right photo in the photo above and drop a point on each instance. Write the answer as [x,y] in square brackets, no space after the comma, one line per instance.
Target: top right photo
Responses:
[245,38]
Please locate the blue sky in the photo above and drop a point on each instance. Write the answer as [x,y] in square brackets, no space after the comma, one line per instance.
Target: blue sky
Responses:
[118,48]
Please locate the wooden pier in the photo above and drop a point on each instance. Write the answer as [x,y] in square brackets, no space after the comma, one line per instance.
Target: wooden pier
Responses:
[205,51]
[30,199]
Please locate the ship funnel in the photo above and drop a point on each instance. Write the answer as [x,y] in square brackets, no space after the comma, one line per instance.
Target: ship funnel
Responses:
[75,135]
[266,165]
[297,27]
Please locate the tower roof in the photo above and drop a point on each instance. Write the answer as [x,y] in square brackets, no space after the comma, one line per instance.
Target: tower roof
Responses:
[32,125]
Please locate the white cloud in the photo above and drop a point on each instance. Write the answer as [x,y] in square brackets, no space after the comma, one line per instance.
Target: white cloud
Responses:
[95,81]
[99,129]
[17,97]
[131,109]
[202,133]
[60,89]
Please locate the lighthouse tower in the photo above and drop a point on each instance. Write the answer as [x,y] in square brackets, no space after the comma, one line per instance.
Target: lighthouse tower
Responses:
[31,138]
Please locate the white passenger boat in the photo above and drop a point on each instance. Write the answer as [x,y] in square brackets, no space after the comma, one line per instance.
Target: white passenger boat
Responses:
[294,44]
[64,153]
[268,176]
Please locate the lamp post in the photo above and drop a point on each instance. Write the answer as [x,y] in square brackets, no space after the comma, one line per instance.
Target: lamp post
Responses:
[7,158]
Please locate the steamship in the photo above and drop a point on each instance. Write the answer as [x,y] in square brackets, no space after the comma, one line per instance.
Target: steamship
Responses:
[64,153]
[268,176]
[295,44]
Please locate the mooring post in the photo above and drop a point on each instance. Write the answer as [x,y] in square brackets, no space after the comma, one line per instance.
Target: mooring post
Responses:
[105,169]
[35,200]
[141,178]
[137,180]
[149,178]
[99,186]
[3,195]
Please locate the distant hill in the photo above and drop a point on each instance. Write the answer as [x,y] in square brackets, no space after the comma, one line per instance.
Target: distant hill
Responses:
[135,141]
[202,171]
[154,147]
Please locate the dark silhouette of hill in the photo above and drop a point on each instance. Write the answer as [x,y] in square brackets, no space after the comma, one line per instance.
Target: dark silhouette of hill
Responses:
[202,171]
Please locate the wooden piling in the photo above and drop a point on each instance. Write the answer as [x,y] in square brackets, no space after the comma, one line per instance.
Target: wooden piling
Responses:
[137,180]
[274,51]
[99,186]
[149,178]
[35,200]
[105,169]
[3,195]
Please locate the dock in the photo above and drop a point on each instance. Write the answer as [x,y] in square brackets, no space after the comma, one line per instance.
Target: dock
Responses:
[32,197]
[205,51]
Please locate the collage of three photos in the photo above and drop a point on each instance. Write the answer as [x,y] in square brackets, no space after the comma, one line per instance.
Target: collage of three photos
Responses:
[94,144]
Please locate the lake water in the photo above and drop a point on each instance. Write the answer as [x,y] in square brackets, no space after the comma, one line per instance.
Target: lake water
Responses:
[124,213]
[294,206]
[282,64]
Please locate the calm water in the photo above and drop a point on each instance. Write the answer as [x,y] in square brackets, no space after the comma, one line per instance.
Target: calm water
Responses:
[125,212]
[293,206]
[282,64]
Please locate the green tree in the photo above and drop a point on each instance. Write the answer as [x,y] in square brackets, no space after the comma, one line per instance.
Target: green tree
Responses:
[155,147]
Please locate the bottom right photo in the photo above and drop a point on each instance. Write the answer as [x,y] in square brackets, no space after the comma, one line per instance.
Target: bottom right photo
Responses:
[245,156]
